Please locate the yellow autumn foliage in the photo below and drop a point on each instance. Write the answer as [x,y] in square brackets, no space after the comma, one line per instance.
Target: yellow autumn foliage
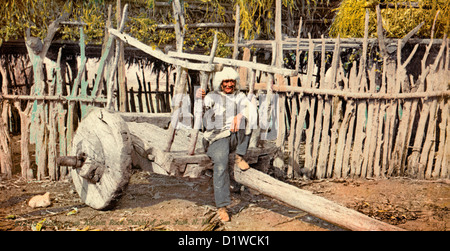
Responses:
[349,19]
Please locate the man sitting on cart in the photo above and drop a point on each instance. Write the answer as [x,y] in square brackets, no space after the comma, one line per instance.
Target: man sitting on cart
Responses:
[226,119]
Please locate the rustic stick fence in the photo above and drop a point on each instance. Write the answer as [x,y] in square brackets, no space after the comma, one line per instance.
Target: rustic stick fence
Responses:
[375,121]
[48,117]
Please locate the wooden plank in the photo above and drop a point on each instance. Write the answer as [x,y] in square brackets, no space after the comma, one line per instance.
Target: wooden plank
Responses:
[236,63]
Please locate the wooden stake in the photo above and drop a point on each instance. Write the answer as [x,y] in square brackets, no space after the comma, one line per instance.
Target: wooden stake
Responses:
[5,139]
[25,122]
[110,83]
[198,106]
[236,32]
[294,111]
[325,139]
[122,92]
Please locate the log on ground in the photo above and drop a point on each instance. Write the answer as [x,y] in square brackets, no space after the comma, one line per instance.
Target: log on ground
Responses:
[308,202]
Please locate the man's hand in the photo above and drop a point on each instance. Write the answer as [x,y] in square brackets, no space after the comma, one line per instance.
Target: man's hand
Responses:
[200,93]
[236,123]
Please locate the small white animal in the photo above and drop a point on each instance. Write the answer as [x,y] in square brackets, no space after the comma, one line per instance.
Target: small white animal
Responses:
[40,201]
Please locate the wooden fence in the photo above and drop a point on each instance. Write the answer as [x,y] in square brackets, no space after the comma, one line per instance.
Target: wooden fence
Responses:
[49,109]
[376,120]
[144,99]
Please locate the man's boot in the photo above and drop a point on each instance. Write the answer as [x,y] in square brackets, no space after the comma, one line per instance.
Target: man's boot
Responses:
[223,214]
[241,163]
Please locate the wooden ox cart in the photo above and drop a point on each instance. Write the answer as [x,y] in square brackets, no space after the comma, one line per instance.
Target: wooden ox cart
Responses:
[107,143]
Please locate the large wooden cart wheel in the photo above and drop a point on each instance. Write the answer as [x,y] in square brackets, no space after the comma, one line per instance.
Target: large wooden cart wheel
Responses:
[102,145]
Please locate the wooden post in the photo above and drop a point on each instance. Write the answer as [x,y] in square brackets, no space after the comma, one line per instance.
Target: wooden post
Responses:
[122,92]
[146,92]
[198,106]
[5,139]
[319,117]
[428,148]
[110,83]
[139,97]
[413,159]
[243,71]
[107,48]
[52,122]
[441,165]
[325,139]
[38,132]
[236,32]
[25,122]
[281,133]
[312,104]
[294,109]
[181,74]
[77,83]
[370,107]
[132,102]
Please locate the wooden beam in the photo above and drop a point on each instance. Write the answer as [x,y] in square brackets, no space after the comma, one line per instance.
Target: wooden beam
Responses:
[236,63]
[198,25]
[354,95]
[157,53]
[308,202]
[291,43]
[53,98]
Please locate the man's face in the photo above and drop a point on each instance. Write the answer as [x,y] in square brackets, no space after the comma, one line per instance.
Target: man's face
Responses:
[228,86]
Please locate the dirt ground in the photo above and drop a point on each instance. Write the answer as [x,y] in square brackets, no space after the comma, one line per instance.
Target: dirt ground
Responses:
[157,202]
